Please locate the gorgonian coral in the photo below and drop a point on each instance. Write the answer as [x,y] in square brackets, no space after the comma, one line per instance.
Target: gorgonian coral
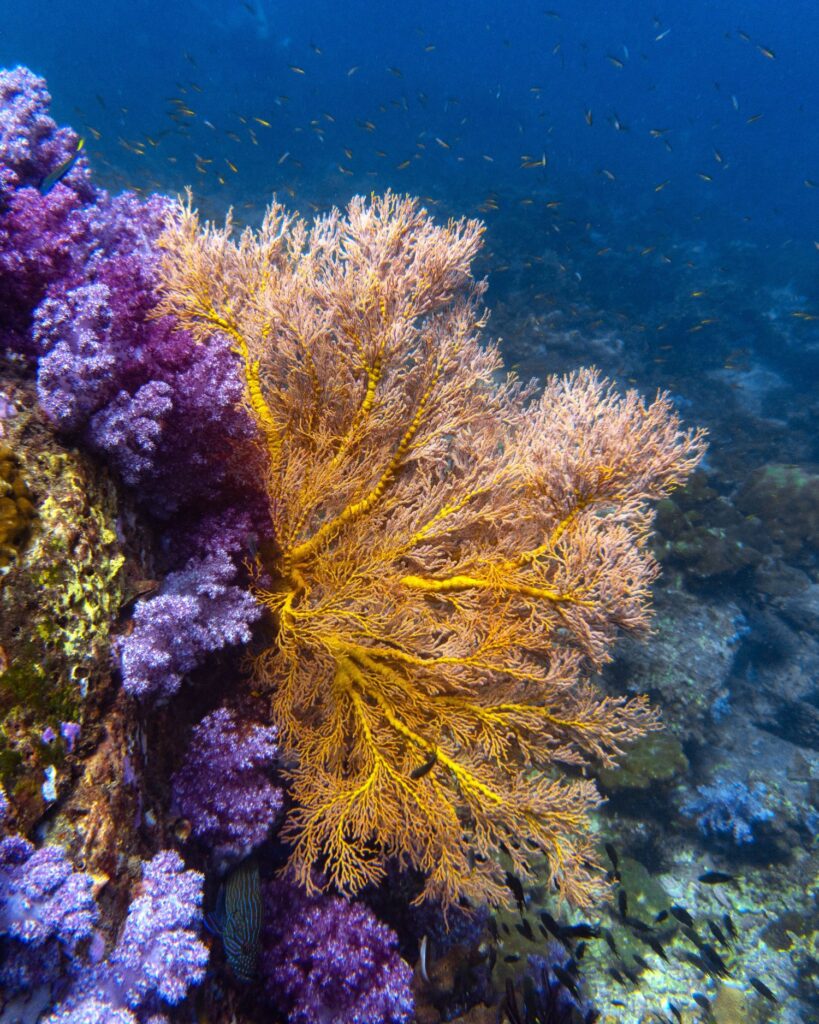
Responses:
[451,554]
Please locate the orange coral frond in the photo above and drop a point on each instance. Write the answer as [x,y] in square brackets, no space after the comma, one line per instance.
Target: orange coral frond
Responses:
[454,554]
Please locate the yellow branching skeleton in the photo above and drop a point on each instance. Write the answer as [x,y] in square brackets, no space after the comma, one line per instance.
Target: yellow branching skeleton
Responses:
[452,552]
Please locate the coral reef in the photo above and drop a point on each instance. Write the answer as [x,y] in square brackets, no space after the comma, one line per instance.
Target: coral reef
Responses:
[223,787]
[326,959]
[449,555]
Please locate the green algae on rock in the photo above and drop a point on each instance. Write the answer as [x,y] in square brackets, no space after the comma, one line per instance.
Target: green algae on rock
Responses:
[652,759]
[58,597]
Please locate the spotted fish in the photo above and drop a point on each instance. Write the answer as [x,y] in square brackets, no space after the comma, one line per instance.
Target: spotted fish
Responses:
[239,919]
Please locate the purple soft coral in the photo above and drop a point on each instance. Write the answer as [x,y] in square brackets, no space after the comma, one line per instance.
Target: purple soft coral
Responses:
[31,144]
[325,959]
[42,897]
[158,953]
[199,610]
[223,788]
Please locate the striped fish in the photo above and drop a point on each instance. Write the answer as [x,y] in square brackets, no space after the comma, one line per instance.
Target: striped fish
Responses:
[240,911]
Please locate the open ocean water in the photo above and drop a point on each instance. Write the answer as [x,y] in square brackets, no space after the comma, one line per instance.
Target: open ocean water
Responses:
[648,174]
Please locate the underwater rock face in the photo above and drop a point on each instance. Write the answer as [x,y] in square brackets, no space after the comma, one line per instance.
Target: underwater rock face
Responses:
[786,499]
[685,664]
[58,596]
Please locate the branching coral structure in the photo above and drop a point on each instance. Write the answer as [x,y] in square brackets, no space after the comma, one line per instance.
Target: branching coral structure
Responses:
[452,553]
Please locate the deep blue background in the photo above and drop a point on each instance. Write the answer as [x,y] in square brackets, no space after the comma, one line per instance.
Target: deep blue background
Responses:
[503,80]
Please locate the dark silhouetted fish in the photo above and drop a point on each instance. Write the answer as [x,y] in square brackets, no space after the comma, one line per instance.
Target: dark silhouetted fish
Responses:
[763,989]
[716,877]
[516,889]
[682,915]
[622,903]
[701,1001]
[716,931]
[581,931]
[525,930]
[729,926]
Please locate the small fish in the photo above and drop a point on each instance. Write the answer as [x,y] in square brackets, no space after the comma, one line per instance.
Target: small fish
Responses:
[615,61]
[565,979]
[641,962]
[763,989]
[701,1001]
[516,889]
[422,958]
[676,1013]
[663,914]
[580,951]
[622,903]
[525,930]
[50,180]
[512,958]
[716,931]
[425,768]
[618,977]
[657,946]
[753,118]
[715,877]
[353,69]
[716,962]
[610,941]
[552,925]
[682,915]
[637,925]
[296,69]
[662,185]
[766,52]
[662,35]
[581,931]
[729,926]
[611,853]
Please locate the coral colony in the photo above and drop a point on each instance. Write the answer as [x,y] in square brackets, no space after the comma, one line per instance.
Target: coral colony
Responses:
[429,556]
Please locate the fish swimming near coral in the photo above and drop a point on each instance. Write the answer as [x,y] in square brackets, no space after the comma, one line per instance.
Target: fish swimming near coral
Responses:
[50,180]
[238,919]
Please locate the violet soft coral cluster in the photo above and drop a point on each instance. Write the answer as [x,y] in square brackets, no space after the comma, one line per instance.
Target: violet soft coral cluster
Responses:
[157,958]
[326,959]
[223,788]
[42,897]
[199,610]
[78,272]
[729,807]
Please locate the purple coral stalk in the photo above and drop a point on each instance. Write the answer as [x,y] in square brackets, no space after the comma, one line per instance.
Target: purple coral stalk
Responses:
[326,959]
[223,787]
[198,610]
